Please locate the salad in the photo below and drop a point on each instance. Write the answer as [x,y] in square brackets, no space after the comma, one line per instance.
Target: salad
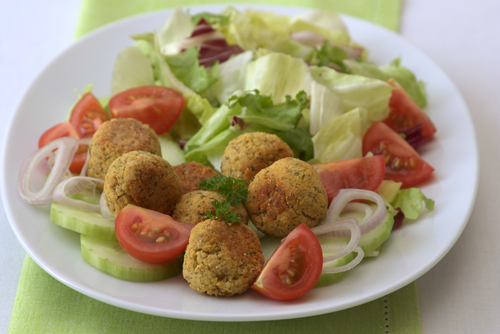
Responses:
[302,79]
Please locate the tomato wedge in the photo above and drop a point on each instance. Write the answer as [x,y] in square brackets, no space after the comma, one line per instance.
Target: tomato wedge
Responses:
[357,173]
[158,106]
[151,236]
[405,113]
[294,268]
[87,115]
[403,163]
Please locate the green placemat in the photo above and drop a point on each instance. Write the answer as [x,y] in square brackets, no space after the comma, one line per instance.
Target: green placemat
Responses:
[44,305]
[95,13]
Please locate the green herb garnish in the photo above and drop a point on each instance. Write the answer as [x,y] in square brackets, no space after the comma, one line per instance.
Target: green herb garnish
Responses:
[235,192]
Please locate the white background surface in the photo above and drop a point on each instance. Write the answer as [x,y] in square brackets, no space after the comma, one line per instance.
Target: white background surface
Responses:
[462,293]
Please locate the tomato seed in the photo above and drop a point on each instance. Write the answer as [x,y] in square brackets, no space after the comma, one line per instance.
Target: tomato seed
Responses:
[135,227]
[160,239]
[156,229]
[291,273]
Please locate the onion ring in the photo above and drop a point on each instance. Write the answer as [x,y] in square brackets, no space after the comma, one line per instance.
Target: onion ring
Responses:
[105,212]
[65,150]
[343,198]
[72,186]
[349,266]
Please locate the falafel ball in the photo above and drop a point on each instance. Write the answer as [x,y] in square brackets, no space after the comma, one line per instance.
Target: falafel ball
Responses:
[192,207]
[192,173]
[142,179]
[222,259]
[284,195]
[116,137]
[249,153]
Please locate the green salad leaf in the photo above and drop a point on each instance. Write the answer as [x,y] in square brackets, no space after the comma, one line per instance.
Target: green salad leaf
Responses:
[410,202]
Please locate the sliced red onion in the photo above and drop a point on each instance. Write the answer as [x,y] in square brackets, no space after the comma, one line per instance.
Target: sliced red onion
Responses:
[349,266]
[85,141]
[65,150]
[104,208]
[414,136]
[347,195]
[350,224]
[72,186]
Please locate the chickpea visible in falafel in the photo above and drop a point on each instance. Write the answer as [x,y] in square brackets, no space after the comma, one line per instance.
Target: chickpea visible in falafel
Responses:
[192,173]
[193,206]
[222,259]
[284,195]
[249,153]
[142,179]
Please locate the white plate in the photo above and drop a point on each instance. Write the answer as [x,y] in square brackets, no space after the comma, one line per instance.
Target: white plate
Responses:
[409,253]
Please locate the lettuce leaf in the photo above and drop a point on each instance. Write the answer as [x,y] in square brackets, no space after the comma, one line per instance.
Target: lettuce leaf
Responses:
[325,106]
[274,74]
[405,77]
[323,22]
[356,91]
[185,66]
[260,109]
[410,202]
[254,29]
[177,27]
[132,69]
[341,138]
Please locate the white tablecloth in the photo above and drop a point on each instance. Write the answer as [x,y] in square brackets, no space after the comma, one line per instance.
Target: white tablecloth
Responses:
[461,294]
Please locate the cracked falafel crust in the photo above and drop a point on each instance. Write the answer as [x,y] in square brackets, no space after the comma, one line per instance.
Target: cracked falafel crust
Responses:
[116,137]
[191,174]
[222,259]
[193,206]
[249,153]
[142,179]
[284,195]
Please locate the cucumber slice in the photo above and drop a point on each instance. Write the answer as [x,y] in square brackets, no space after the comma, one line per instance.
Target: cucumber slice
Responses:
[108,256]
[83,221]
[171,152]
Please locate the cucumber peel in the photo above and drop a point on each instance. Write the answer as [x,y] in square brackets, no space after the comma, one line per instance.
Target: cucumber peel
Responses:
[109,257]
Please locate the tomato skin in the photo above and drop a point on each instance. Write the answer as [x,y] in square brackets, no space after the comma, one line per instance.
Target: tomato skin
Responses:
[405,113]
[63,129]
[87,115]
[357,173]
[403,163]
[133,220]
[158,106]
[301,246]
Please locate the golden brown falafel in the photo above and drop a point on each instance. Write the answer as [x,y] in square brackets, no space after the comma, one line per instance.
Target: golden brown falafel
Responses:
[192,207]
[192,173]
[116,137]
[249,153]
[142,179]
[222,259]
[284,195]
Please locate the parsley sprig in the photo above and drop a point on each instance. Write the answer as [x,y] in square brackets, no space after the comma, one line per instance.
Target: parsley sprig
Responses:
[235,192]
